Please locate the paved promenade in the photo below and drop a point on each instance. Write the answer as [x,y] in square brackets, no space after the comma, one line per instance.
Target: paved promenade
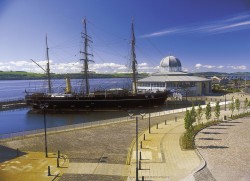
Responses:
[32,166]
[161,155]
[225,147]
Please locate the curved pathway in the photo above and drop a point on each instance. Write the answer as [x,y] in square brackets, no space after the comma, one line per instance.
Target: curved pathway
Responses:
[161,155]
[225,147]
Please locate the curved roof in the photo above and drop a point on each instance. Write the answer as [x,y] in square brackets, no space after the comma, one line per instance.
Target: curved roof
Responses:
[170,61]
[170,64]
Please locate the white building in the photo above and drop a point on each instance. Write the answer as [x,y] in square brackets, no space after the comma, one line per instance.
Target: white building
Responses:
[170,77]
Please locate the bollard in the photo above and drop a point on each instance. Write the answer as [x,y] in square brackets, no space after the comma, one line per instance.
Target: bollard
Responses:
[49,174]
[58,154]
[57,162]
[140,156]
[141,144]
[142,178]
[165,122]
[175,119]
[139,164]
[157,126]
[144,137]
[17,152]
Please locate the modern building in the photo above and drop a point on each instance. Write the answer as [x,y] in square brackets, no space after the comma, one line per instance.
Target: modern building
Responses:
[171,77]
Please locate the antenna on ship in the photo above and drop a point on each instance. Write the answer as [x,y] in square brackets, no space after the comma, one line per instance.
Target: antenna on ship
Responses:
[85,53]
[133,59]
[47,70]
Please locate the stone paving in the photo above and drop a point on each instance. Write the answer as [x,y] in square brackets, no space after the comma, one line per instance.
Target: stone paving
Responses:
[32,166]
[225,147]
[161,156]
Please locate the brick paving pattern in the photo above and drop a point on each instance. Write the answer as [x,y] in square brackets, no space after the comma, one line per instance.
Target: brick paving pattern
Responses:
[225,147]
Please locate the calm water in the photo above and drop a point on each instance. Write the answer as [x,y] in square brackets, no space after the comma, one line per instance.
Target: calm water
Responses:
[13,89]
[19,120]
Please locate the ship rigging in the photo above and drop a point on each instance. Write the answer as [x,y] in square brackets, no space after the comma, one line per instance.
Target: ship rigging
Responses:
[98,100]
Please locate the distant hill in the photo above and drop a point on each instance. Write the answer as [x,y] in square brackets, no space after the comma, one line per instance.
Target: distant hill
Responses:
[220,74]
[21,75]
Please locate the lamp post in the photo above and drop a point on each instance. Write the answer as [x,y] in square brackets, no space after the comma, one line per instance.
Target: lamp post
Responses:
[142,114]
[149,130]
[137,176]
[44,107]
[225,101]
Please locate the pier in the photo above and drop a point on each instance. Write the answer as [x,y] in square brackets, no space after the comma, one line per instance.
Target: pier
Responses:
[12,104]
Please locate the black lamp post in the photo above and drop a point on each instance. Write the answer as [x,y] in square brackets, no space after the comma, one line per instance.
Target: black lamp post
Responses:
[149,124]
[136,174]
[44,107]
[225,101]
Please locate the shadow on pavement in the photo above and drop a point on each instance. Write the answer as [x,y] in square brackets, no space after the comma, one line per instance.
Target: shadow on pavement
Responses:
[7,153]
[217,128]
[235,122]
[225,125]
[212,147]
[206,132]
[209,139]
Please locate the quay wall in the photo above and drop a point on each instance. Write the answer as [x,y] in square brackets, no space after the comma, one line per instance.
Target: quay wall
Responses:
[12,104]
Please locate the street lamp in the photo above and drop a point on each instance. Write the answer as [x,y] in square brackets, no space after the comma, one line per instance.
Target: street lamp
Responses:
[142,114]
[225,101]
[137,176]
[44,107]
[149,124]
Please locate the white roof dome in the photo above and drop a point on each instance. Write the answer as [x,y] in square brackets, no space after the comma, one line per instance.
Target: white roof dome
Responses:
[170,64]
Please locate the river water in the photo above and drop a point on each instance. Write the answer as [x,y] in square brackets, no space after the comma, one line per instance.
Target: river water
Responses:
[20,120]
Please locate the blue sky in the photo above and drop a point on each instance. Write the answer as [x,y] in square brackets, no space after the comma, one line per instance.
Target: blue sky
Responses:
[205,35]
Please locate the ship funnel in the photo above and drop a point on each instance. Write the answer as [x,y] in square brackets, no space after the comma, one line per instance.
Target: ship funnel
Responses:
[68,86]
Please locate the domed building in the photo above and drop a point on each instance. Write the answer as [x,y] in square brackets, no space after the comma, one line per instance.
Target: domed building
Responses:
[171,77]
[170,64]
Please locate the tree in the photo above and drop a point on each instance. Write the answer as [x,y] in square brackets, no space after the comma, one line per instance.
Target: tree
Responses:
[245,104]
[193,115]
[237,104]
[199,113]
[232,107]
[217,110]
[187,120]
[208,111]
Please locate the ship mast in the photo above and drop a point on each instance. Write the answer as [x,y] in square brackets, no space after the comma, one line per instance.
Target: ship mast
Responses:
[85,55]
[133,59]
[48,69]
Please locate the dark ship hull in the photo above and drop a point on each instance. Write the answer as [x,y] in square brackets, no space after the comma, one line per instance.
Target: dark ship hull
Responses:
[96,102]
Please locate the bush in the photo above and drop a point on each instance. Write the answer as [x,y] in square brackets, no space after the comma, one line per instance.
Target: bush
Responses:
[187,139]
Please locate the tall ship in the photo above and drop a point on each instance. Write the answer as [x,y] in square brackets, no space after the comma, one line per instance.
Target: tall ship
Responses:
[113,99]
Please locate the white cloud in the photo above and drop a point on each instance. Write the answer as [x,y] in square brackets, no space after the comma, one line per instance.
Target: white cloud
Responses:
[19,63]
[234,67]
[160,33]
[198,66]
[209,66]
[220,67]
[240,67]
[234,23]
